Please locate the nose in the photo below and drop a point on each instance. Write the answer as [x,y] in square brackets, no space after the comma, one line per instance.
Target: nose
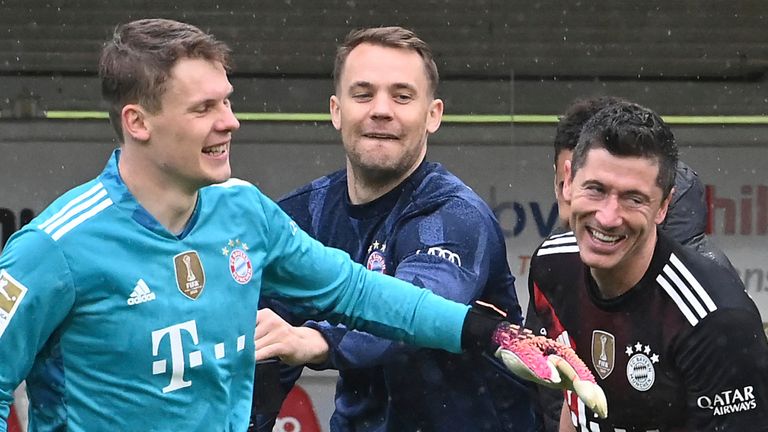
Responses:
[228,122]
[381,106]
[608,215]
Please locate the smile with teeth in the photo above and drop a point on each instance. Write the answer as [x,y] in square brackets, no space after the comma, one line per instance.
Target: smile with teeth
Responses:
[605,238]
[215,150]
[380,136]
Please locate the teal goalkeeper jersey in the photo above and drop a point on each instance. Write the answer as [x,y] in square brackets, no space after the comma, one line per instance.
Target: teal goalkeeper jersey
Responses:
[118,324]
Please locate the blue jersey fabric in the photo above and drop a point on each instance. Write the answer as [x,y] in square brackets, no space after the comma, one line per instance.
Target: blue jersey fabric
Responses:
[434,231]
[118,324]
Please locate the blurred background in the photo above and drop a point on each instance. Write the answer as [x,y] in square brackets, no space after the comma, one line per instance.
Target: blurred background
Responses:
[508,68]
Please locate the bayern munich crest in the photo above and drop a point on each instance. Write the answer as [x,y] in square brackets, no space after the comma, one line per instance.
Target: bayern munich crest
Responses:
[641,372]
[240,266]
[376,260]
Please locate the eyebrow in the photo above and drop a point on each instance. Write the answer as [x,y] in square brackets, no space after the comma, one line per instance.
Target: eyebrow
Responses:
[364,84]
[623,193]
[396,86]
[209,100]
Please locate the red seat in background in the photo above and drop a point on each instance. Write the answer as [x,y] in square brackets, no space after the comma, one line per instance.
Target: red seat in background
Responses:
[297,413]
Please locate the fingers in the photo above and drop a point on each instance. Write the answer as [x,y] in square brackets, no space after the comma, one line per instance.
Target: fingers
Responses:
[274,337]
[593,397]
[564,369]
[526,356]
[530,367]
[270,328]
[589,392]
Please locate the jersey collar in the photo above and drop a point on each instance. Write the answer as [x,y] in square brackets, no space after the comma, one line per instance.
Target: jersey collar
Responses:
[124,200]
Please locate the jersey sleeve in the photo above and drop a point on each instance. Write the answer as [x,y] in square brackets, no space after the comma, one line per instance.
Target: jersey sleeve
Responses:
[445,252]
[324,282]
[724,363]
[36,293]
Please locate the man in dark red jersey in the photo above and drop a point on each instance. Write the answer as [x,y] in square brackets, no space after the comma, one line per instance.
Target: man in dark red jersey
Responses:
[674,340]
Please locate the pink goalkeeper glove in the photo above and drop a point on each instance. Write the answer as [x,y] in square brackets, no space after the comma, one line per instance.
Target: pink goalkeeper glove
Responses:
[548,362]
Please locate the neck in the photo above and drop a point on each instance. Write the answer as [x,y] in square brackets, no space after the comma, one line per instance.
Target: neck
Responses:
[168,202]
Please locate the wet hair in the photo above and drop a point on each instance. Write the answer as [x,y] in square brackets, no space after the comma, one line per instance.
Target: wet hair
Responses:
[573,120]
[390,37]
[628,129]
[136,64]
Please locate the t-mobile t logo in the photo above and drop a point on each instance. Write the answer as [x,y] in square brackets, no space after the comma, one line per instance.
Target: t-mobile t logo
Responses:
[178,360]
[176,335]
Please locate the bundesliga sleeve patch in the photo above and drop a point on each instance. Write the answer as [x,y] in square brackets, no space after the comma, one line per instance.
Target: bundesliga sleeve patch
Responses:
[11,295]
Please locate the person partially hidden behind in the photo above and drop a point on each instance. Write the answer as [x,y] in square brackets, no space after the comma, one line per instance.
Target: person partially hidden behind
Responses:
[675,341]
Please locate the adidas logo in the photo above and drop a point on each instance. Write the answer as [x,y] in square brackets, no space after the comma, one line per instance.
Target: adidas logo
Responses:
[141,294]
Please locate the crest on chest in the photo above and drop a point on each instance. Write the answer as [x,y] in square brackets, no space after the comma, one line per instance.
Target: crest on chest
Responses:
[240,265]
[376,259]
[641,367]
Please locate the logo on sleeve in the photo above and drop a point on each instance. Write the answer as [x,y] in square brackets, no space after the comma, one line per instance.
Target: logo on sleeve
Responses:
[190,276]
[11,295]
[443,253]
[729,401]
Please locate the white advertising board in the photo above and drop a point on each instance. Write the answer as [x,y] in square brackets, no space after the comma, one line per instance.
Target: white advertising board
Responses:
[516,181]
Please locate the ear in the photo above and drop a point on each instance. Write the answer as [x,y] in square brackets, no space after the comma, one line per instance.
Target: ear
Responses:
[566,181]
[335,112]
[134,122]
[662,213]
[554,178]
[435,115]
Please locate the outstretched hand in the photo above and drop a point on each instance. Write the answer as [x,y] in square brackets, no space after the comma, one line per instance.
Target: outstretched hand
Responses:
[548,362]
[294,346]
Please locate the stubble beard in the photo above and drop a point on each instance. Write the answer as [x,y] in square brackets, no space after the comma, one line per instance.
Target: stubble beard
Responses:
[377,175]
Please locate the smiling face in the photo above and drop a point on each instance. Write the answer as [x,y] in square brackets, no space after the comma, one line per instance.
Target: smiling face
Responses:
[189,138]
[384,111]
[615,206]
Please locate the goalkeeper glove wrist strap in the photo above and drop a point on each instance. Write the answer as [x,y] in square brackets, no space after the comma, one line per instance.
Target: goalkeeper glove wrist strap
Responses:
[477,331]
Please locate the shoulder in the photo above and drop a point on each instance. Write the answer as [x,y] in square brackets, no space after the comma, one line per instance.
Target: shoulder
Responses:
[439,190]
[696,285]
[231,186]
[559,247]
[557,257]
[321,184]
[80,207]
[233,192]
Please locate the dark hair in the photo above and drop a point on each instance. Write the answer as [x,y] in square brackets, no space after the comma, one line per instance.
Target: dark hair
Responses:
[572,121]
[391,37]
[628,129]
[136,64]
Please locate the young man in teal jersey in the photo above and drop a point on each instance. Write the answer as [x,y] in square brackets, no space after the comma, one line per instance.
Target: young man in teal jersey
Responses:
[130,302]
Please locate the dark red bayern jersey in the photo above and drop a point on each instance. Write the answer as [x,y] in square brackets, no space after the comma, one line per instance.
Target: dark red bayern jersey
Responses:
[683,350]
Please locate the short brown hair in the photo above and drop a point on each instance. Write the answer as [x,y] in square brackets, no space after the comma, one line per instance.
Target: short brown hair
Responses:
[136,64]
[391,37]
